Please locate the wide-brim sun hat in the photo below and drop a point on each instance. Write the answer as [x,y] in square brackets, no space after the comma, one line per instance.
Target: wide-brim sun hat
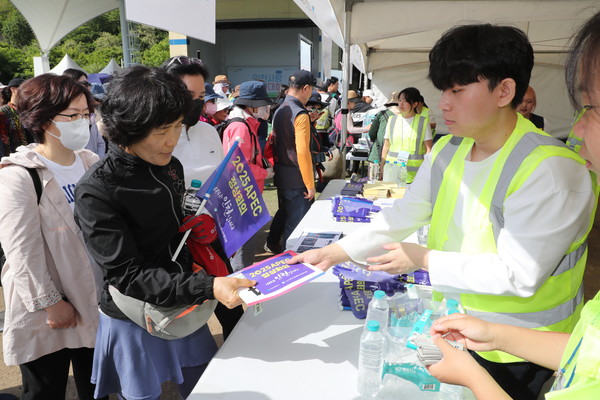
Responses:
[394,98]
[222,104]
[253,94]
[315,98]
[209,93]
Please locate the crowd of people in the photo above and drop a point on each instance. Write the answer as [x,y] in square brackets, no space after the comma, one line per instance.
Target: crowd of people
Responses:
[91,213]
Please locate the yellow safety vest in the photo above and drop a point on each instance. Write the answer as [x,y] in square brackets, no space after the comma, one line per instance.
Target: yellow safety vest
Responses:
[412,142]
[556,305]
[579,373]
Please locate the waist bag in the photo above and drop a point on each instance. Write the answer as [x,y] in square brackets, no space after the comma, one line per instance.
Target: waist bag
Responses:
[164,322]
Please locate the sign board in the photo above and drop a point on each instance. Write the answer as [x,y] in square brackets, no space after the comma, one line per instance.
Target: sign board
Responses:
[274,77]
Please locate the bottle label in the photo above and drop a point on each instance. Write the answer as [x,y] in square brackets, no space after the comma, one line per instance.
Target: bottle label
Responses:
[413,373]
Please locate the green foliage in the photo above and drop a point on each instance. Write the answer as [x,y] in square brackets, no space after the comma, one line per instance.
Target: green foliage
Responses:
[156,54]
[91,45]
[15,30]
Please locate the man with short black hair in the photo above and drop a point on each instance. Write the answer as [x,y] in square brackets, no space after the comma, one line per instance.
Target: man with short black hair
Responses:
[509,207]
[294,174]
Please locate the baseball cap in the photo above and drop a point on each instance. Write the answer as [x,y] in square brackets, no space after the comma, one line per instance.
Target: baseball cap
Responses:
[303,77]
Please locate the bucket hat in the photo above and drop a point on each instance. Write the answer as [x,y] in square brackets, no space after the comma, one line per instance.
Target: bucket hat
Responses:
[222,103]
[315,98]
[393,99]
[209,93]
[253,94]
[221,79]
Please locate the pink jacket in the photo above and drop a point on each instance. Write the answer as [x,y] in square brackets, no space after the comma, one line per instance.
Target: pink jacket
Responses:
[46,258]
[247,144]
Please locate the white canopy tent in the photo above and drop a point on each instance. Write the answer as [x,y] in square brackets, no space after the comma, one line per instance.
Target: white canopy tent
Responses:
[111,67]
[66,63]
[391,40]
[51,20]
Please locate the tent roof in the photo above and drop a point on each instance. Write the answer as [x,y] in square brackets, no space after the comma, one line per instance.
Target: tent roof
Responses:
[64,64]
[391,39]
[111,67]
[51,20]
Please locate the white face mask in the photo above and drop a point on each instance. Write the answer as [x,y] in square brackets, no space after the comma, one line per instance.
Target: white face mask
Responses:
[262,112]
[210,108]
[74,135]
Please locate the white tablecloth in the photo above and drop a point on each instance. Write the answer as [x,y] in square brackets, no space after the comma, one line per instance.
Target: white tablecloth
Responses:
[302,346]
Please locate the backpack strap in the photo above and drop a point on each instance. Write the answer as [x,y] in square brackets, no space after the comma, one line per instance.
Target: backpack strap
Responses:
[37,182]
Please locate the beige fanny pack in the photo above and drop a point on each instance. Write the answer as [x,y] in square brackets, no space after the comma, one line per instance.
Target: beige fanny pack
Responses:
[164,322]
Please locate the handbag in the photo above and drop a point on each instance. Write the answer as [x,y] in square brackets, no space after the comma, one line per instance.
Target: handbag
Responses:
[164,322]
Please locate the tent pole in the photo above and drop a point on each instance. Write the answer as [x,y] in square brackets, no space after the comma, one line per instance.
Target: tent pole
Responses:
[124,34]
[346,76]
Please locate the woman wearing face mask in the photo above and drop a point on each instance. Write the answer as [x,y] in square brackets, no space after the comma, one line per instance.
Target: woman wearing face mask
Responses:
[49,281]
[210,104]
[253,103]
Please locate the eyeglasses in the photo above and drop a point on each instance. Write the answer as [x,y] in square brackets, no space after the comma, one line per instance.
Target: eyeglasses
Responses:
[313,109]
[183,60]
[76,116]
[579,113]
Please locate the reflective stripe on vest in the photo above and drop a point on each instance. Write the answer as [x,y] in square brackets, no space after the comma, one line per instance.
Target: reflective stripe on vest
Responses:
[416,154]
[556,304]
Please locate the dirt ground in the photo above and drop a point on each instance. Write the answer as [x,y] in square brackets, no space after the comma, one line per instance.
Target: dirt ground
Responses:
[10,377]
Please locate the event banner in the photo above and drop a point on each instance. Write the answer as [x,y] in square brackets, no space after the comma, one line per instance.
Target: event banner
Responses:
[236,203]
[274,277]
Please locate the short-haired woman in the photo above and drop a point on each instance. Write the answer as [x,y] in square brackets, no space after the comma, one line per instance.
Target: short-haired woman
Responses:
[129,209]
[49,284]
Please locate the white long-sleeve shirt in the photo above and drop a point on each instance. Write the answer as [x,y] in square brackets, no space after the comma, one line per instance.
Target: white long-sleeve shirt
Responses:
[542,219]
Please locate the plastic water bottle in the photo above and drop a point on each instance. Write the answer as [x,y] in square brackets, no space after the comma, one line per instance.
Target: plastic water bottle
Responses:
[374,171]
[452,307]
[379,310]
[370,360]
[402,173]
[423,235]
[190,203]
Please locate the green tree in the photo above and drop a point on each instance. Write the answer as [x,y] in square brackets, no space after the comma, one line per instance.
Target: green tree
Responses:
[16,31]
[156,54]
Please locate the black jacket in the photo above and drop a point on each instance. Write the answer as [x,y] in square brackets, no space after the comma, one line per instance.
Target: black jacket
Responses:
[129,212]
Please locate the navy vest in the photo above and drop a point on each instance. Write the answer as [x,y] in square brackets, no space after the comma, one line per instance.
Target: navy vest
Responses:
[287,171]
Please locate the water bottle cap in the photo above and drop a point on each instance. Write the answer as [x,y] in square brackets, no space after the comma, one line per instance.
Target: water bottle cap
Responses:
[376,161]
[379,294]
[373,326]
[452,303]
[196,183]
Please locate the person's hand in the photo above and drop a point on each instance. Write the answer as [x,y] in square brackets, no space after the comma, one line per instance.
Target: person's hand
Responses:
[225,290]
[322,258]
[204,230]
[61,315]
[310,194]
[329,155]
[401,258]
[457,367]
[474,333]
[270,173]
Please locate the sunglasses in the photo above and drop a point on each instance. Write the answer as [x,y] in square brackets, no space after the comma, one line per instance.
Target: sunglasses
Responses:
[313,109]
[183,60]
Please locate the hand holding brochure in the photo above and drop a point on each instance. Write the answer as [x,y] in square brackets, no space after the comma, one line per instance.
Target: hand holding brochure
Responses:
[274,277]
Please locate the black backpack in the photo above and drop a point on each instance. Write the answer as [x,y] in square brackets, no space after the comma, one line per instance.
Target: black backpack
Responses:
[37,183]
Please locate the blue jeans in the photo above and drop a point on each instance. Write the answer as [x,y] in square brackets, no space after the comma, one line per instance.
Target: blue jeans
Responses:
[292,208]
